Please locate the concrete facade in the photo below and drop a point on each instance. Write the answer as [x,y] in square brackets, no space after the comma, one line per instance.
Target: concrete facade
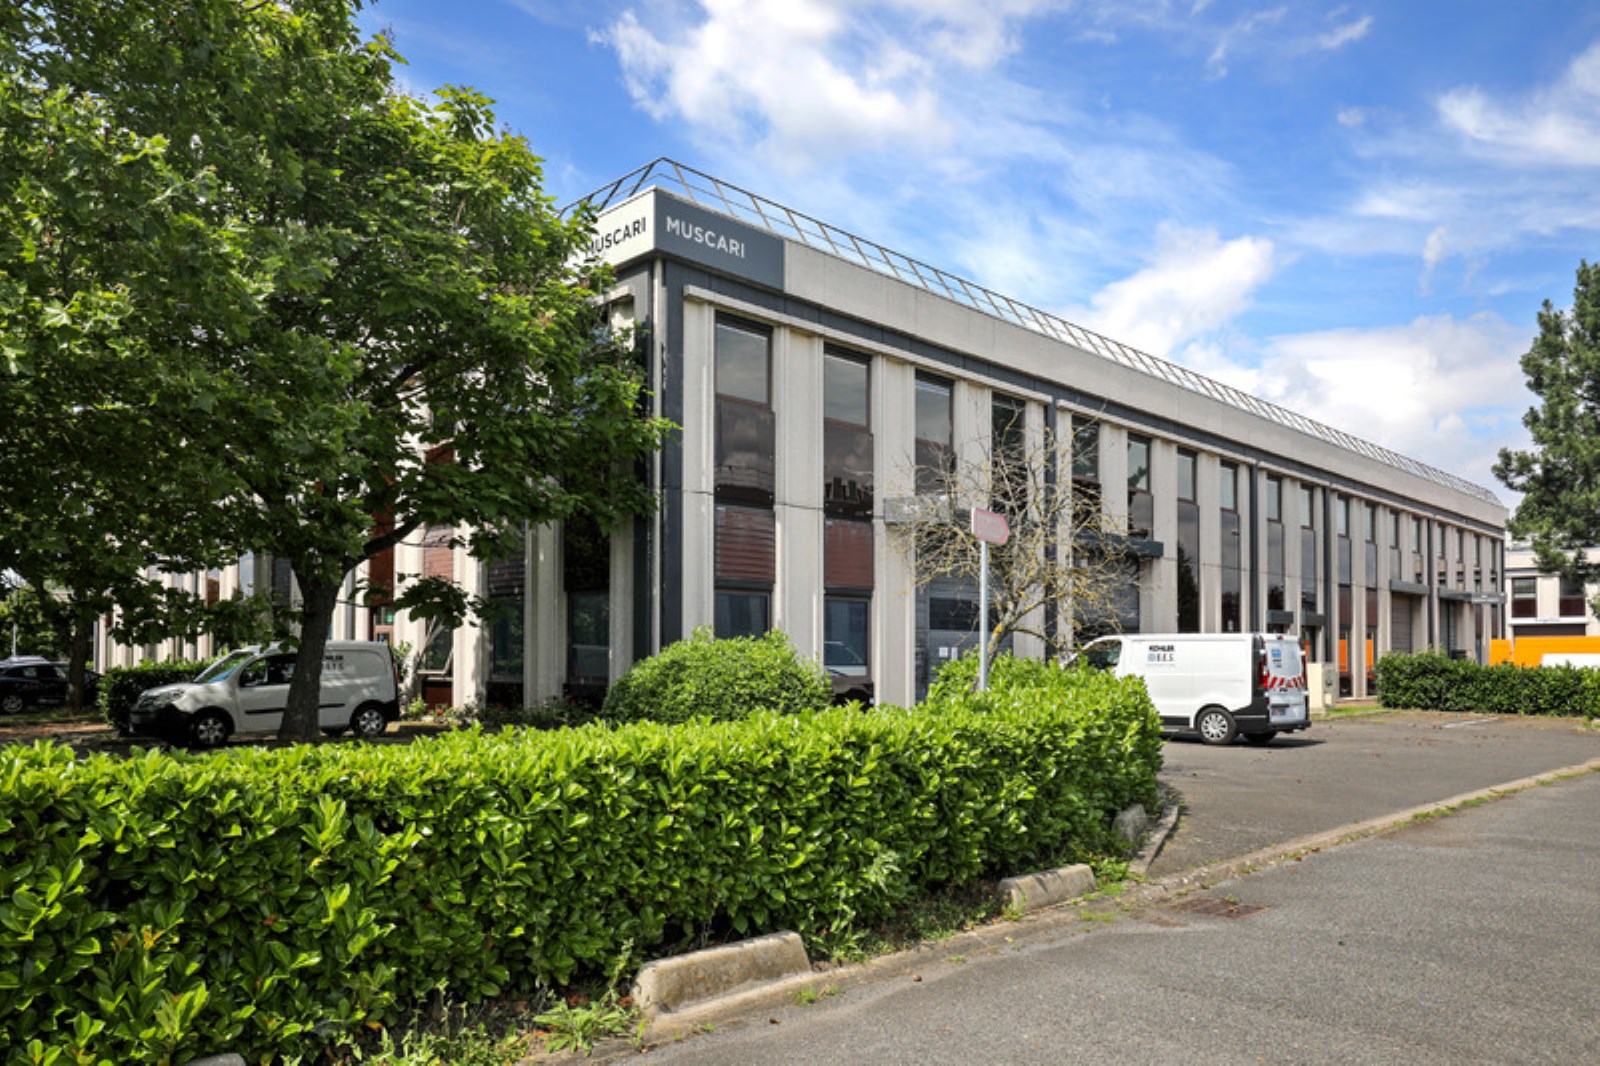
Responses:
[689,275]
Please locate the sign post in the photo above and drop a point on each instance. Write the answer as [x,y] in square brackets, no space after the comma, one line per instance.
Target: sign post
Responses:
[990,528]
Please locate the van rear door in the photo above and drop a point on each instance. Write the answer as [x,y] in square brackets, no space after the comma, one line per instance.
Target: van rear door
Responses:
[1283,677]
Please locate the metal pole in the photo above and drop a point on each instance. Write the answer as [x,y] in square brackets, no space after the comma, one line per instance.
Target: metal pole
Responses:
[983,616]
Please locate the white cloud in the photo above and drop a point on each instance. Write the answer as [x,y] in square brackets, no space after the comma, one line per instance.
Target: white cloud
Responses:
[1195,284]
[1440,389]
[1558,124]
[809,81]
[1352,116]
[1340,36]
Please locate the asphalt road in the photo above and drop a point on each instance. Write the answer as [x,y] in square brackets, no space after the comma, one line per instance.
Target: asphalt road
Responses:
[1468,938]
[1241,798]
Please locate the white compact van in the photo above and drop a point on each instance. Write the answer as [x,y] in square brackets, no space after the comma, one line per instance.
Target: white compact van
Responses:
[1219,685]
[247,691]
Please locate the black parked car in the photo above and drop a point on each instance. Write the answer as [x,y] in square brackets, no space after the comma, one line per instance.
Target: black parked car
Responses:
[33,681]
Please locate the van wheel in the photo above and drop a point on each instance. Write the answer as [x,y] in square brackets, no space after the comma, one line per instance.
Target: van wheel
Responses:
[1261,738]
[368,721]
[1216,726]
[12,704]
[208,730]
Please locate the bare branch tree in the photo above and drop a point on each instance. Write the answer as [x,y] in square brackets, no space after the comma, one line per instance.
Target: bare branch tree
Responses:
[1064,572]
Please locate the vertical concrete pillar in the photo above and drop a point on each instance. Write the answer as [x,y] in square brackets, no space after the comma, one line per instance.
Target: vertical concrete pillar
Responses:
[697,562]
[621,604]
[797,388]
[544,617]
[470,653]
[1163,600]
[1029,645]
[894,600]
[1208,498]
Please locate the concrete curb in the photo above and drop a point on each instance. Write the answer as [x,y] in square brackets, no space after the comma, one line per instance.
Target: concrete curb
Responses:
[671,984]
[1160,833]
[1031,892]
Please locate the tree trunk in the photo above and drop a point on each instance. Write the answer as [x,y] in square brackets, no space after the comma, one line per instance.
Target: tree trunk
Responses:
[300,719]
[78,655]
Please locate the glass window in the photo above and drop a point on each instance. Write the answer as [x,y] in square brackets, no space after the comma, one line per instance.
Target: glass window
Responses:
[1308,507]
[741,614]
[1341,516]
[589,635]
[1524,597]
[845,634]
[846,441]
[1186,474]
[1139,463]
[1573,601]
[844,390]
[1416,533]
[438,646]
[1371,524]
[1229,483]
[1274,499]
[933,411]
[742,363]
[1086,451]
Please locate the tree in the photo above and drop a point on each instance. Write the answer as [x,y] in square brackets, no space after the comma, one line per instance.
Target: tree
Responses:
[97,251]
[1559,477]
[1064,569]
[394,329]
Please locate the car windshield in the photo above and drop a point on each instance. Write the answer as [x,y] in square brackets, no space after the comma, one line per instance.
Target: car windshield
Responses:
[223,667]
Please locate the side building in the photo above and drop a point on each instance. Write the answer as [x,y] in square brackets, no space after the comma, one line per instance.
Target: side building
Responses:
[813,373]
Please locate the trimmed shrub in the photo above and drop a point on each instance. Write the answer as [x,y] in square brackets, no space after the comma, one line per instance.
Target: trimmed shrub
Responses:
[121,686]
[164,906]
[723,680]
[1434,681]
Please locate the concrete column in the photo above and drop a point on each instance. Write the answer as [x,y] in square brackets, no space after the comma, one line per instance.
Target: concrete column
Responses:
[1028,645]
[894,600]
[471,650]
[797,392]
[407,568]
[544,616]
[1163,599]
[970,425]
[698,561]
[1114,473]
[621,602]
[1292,562]
[1208,498]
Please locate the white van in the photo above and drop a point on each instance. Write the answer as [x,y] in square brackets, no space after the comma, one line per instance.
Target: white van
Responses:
[1219,685]
[247,691]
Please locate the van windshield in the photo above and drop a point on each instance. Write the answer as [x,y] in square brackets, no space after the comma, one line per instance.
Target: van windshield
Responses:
[223,667]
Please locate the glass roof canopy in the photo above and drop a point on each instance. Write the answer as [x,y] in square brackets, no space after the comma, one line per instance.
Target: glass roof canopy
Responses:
[747,207]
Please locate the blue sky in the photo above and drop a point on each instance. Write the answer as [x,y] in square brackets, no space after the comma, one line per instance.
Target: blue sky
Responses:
[1355,210]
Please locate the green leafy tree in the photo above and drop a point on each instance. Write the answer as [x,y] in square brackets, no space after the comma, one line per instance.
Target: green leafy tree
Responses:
[99,254]
[1559,477]
[373,319]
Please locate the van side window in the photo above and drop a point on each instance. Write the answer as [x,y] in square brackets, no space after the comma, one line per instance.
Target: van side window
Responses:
[280,669]
[1103,656]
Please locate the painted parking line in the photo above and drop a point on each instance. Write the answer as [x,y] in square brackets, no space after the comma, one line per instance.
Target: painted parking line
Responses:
[1475,721]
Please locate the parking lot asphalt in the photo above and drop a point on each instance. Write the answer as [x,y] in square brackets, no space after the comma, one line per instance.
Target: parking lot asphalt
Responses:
[1240,798]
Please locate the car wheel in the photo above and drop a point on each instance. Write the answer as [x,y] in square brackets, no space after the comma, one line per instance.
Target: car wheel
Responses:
[1216,726]
[208,730]
[368,721]
[1261,738]
[12,704]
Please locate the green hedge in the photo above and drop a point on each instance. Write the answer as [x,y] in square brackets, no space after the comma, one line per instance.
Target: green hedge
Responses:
[172,905]
[704,677]
[121,686]
[1434,681]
